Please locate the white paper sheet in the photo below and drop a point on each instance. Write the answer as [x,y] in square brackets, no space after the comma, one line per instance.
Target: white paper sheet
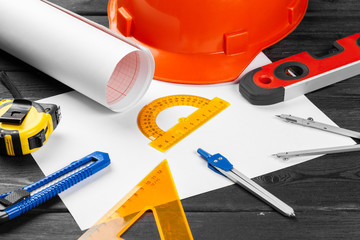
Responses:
[79,53]
[247,135]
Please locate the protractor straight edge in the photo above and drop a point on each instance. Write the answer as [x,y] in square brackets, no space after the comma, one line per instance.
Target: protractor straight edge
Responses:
[162,140]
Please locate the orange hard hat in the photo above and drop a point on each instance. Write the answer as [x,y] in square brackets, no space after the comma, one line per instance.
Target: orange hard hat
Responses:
[204,41]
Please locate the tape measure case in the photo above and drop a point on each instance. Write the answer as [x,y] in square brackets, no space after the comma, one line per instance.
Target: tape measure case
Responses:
[25,126]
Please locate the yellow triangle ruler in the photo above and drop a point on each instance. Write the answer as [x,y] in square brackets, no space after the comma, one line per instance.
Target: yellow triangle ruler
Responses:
[162,140]
[156,192]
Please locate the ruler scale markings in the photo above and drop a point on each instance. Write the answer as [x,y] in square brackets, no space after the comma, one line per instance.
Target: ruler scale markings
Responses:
[157,193]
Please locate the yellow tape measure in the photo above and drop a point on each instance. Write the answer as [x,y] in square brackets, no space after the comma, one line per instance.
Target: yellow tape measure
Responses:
[162,140]
[25,126]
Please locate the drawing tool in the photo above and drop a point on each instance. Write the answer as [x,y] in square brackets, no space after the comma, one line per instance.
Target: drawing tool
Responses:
[221,165]
[91,59]
[162,140]
[25,125]
[157,193]
[318,151]
[302,73]
[18,202]
[309,122]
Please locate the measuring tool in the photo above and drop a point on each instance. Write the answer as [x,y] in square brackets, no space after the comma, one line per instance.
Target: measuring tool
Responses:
[302,73]
[221,165]
[25,126]
[20,201]
[156,192]
[162,140]
[321,126]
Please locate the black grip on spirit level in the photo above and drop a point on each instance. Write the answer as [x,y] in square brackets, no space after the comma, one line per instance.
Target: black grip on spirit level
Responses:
[257,95]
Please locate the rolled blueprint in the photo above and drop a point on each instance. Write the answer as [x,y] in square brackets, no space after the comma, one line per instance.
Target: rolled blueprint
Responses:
[84,55]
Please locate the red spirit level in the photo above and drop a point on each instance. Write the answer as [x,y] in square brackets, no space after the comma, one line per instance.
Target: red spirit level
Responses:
[302,73]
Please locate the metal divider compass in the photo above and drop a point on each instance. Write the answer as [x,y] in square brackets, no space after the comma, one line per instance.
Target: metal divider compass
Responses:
[321,126]
[221,165]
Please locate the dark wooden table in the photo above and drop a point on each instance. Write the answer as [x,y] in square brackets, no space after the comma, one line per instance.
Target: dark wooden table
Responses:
[324,192]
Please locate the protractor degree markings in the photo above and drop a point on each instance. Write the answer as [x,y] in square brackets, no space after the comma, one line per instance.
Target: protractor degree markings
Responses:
[147,116]
[162,140]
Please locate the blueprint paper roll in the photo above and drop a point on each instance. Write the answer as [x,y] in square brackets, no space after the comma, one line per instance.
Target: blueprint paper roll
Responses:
[84,55]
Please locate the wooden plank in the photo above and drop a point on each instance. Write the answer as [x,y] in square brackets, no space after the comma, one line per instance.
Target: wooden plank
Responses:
[315,7]
[324,192]
[17,172]
[34,85]
[315,35]
[311,224]
[41,226]
[262,225]
[329,182]
[339,8]
[84,7]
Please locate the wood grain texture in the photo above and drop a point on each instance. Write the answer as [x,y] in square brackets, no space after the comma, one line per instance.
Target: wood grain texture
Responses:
[324,192]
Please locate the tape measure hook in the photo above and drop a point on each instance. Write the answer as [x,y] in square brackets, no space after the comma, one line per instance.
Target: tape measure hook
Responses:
[17,112]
